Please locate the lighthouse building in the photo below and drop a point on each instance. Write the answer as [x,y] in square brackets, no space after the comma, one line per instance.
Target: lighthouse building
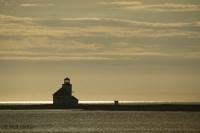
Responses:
[64,95]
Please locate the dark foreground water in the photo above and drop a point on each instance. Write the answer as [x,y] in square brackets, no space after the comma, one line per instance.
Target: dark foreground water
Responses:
[76,121]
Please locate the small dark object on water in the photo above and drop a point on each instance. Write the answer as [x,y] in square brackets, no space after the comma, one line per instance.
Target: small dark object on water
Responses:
[116,102]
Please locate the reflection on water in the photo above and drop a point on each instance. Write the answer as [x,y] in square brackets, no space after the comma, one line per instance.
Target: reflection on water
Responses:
[98,121]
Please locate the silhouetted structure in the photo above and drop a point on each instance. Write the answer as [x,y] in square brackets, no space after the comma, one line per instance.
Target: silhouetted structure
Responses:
[116,102]
[64,95]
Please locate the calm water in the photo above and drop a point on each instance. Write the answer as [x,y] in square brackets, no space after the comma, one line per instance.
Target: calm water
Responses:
[77,121]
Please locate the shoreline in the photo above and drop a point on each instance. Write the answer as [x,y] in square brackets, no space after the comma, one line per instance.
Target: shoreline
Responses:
[107,107]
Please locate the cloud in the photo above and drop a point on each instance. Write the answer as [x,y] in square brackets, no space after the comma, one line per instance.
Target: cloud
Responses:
[159,7]
[125,22]
[27,27]
[28,35]
[106,55]
[166,7]
[20,55]
[101,55]
[36,4]
[125,3]
[14,19]
[121,32]
[46,43]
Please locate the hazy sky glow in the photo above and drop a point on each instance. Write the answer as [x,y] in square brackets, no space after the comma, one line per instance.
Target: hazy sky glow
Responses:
[111,49]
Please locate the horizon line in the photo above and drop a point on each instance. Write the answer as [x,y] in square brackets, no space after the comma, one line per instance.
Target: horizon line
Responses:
[103,102]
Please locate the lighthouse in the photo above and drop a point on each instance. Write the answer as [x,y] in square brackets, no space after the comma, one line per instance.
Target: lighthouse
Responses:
[64,95]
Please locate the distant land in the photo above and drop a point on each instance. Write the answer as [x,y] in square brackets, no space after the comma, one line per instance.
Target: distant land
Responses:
[105,105]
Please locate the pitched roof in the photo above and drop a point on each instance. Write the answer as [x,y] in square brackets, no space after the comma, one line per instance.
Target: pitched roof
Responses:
[60,92]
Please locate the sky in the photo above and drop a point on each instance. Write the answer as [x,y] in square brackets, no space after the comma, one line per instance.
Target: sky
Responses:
[130,50]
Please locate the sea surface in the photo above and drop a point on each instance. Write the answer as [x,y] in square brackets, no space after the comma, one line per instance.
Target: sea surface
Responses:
[81,121]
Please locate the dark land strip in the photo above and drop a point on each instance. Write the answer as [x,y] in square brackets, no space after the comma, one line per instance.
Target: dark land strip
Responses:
[107,107]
